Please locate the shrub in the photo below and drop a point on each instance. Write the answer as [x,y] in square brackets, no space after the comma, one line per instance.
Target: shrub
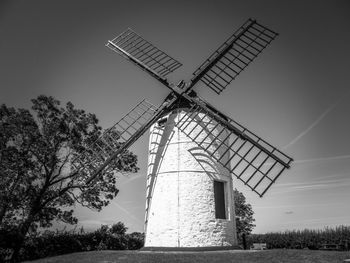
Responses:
[311,239]
[50,243]
[136,240]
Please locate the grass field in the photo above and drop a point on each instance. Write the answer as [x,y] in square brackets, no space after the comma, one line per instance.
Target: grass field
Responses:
[236,256]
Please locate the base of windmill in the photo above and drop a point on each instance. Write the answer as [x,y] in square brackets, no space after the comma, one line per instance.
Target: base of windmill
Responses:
[191,249]
[189,203]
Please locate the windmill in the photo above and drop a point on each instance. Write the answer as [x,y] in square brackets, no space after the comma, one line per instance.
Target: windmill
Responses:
[194,148]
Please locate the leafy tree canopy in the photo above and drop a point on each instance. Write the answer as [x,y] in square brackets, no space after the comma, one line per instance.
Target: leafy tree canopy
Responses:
[244,214]
[37,183]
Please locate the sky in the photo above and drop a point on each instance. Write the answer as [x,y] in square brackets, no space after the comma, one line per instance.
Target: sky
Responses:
[295,94]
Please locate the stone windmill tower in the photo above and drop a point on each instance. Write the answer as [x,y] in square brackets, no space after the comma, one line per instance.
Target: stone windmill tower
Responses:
[194,149]
[197,209]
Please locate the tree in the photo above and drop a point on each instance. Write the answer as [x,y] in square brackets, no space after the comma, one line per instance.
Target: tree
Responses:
[37,184]
[118,228]
[244,214]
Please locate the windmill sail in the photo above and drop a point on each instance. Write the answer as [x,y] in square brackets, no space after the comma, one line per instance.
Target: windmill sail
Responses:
[233,56]
[141,52]
[252,160]
[115,140]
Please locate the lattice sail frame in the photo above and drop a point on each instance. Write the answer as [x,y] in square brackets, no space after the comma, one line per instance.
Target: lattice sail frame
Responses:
[233,56]
[255,167]
[102,151]
[131,44]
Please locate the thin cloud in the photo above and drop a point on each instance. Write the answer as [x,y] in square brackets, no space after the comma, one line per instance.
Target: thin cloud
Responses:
[317,121]
[291,206]
[132,178]
[127,212]
[340,157]
[311,186]
[324,220]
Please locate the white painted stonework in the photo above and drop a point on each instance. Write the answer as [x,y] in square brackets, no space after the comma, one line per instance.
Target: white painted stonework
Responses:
[180,208]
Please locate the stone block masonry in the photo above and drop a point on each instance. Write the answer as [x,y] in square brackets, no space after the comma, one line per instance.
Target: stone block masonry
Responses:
[180,201]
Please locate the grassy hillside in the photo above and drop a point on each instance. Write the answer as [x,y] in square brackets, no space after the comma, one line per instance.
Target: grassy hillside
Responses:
[271,256]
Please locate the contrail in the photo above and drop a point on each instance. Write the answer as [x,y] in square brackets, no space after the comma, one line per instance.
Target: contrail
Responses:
[130,179]
[127,212]
[323,159]
[330,108]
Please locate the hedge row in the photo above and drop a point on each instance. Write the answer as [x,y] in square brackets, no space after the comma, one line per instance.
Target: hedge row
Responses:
[312,239]
[51,243]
